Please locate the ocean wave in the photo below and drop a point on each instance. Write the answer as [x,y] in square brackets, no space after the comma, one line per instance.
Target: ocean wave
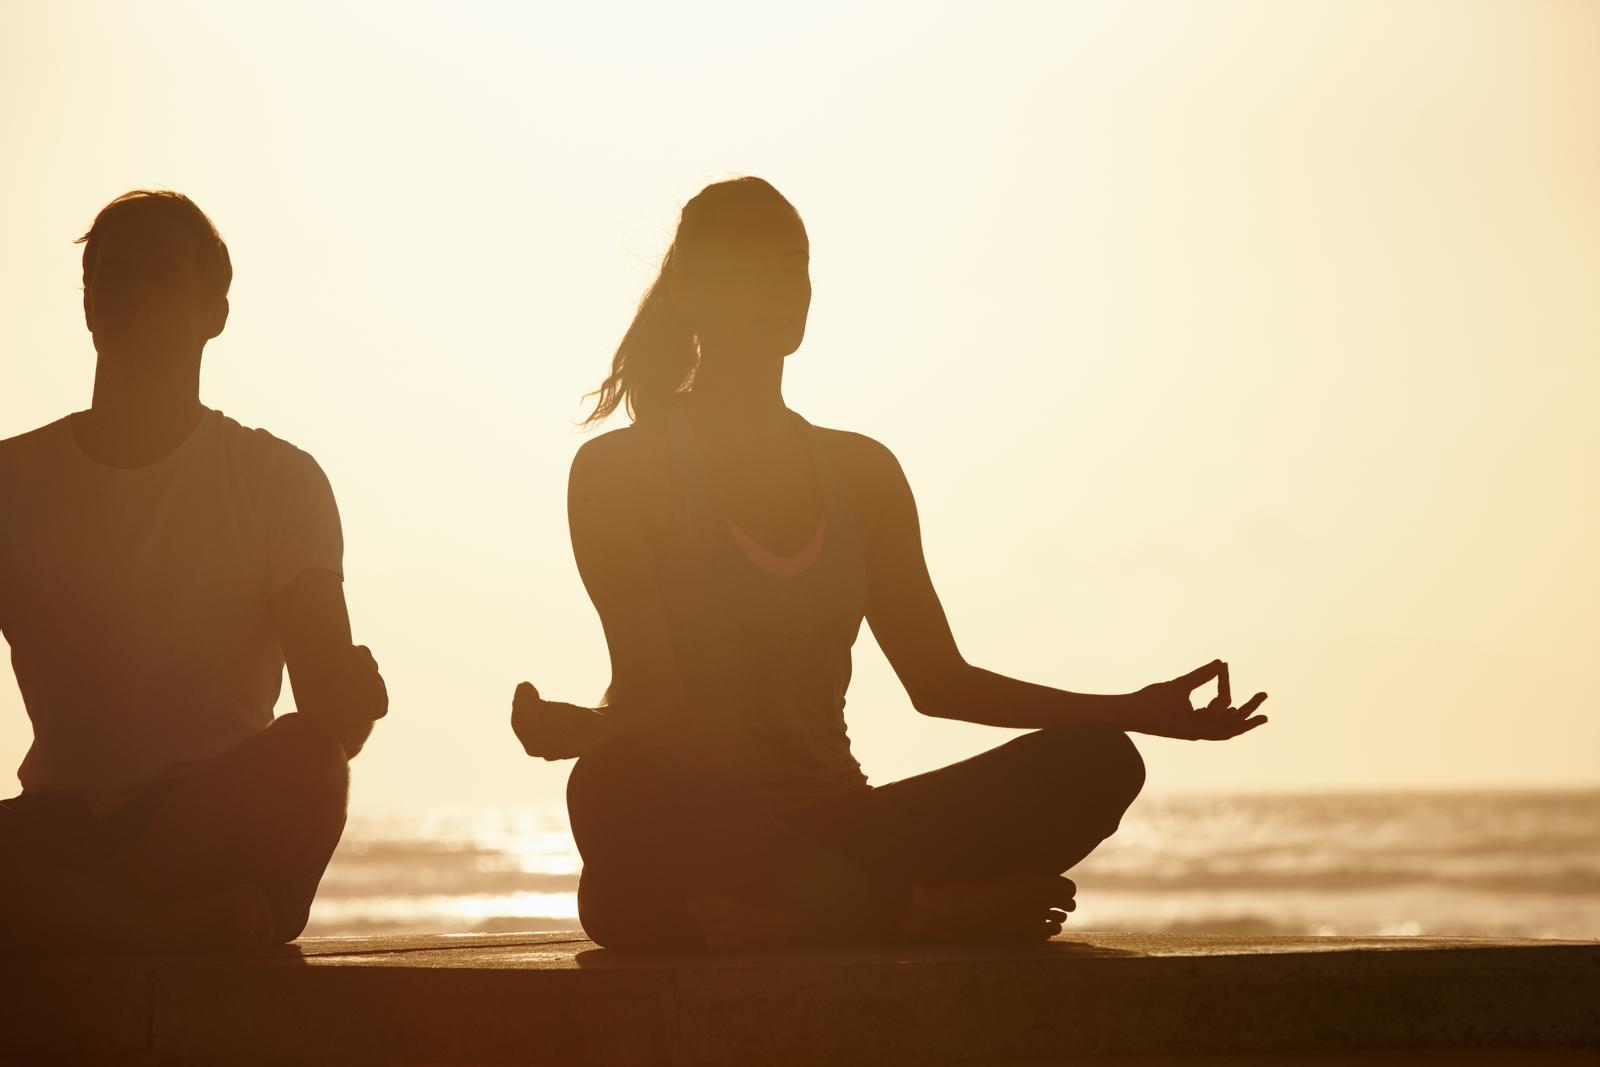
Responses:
[1580,881]
[1473,864]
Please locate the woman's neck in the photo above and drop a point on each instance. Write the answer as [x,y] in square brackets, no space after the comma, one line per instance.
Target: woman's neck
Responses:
[739,394]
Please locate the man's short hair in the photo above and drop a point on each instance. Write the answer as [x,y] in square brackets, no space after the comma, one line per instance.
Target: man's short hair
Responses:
[184,215]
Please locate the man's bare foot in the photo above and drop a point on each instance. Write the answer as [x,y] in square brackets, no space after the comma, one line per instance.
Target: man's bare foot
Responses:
[1019,908]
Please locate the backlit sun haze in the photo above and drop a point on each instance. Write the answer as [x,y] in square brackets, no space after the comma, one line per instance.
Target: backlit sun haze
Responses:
[1250,330]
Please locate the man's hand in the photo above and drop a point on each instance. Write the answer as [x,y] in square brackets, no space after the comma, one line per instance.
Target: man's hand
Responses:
[336,683]
[552,730]
[1164,710]
[358,699]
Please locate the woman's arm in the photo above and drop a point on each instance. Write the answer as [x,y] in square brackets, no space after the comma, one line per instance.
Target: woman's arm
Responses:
[606,506]
[910,625]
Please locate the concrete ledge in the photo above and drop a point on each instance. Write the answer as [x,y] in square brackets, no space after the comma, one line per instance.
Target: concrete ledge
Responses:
[549,998]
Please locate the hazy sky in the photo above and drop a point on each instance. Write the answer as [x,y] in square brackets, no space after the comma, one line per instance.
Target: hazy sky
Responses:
[1258,330]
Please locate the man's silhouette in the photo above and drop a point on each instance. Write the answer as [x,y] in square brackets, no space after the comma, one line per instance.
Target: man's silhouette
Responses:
[159,566]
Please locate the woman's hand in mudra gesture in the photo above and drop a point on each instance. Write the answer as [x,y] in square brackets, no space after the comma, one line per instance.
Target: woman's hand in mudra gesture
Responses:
[1164,709]
[552,730]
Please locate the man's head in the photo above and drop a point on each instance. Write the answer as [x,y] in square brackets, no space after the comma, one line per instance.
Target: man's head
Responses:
[155,277]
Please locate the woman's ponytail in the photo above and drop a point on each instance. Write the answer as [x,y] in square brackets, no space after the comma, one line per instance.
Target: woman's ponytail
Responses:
[656,358]
[658,355]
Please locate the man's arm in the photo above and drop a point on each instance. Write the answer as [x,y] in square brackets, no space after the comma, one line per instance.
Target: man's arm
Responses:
[336,684]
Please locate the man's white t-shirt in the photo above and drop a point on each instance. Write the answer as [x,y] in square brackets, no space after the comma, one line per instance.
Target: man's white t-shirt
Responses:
[136,602]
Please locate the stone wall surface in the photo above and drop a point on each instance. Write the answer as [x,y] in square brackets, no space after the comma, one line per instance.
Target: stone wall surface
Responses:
[553,999]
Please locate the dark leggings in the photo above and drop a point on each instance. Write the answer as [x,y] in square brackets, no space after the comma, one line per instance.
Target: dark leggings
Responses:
[268,813]
[652,836]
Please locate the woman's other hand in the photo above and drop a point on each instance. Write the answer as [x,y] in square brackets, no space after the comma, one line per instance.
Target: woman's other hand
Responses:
[552,730]
[1164,709]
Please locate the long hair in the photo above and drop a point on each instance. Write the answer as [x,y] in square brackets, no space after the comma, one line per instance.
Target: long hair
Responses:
[657,357]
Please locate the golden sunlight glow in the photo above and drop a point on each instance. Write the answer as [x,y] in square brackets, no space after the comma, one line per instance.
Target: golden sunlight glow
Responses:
[1255,330]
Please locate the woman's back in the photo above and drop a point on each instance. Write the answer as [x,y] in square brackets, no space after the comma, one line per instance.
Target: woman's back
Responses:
[763,596]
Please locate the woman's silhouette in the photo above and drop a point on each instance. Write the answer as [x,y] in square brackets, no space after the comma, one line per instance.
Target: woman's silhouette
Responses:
[732,550]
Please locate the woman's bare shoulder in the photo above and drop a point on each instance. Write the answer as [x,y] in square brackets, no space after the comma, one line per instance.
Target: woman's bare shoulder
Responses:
[630,465]
[860,456]
[869,470]
[619,453]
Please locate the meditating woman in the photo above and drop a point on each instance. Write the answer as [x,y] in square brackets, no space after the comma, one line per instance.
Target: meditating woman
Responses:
[732,549]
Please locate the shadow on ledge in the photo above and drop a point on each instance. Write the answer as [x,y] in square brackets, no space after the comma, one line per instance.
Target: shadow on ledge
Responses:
[555,998]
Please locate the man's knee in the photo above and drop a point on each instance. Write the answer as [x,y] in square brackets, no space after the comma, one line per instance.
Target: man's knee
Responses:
[302,751]
[306,778]
[290,913]
[310,785]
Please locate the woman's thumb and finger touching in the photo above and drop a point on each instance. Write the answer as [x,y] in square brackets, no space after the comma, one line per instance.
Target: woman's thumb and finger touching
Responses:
[1217,719]
[1194,679]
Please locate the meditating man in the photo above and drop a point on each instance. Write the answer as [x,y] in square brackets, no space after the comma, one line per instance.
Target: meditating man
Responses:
[159,566]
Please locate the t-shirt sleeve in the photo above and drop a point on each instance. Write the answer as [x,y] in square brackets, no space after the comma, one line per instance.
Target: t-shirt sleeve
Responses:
[303,531]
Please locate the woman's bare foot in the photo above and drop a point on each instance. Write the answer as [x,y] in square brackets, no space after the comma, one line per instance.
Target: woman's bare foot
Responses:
[1019,908]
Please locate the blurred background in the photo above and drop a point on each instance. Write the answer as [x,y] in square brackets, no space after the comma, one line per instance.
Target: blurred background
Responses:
[1239,329]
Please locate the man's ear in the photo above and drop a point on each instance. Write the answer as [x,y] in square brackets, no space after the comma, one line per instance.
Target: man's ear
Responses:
[219,318]
[88,309]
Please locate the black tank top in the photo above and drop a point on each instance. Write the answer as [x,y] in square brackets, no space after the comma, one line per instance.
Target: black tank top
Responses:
[765,658]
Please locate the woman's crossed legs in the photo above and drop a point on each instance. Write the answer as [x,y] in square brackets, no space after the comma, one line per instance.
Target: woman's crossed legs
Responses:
[972,851]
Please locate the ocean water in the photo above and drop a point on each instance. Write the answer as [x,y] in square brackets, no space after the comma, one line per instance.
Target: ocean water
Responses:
[1500,864]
